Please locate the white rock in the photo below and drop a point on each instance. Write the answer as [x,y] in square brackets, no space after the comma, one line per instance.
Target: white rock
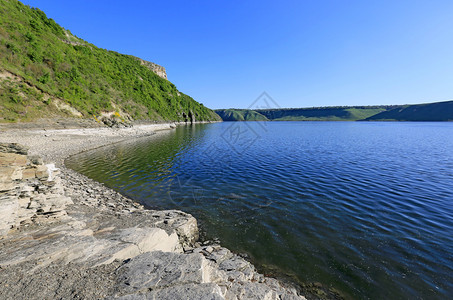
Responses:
[8,214]
[51,170]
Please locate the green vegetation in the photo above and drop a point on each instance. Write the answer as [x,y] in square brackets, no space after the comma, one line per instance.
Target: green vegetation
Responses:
[40,63]
[439,111]
[334,113]
[240,115]
[340,113]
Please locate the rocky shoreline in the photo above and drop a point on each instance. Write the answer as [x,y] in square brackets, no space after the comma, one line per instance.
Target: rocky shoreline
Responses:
[101,244]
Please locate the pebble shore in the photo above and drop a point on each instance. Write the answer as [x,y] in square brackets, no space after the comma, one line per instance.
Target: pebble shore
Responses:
[106,246]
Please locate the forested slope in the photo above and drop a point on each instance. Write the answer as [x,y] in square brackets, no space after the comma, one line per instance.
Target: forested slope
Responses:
[46,71]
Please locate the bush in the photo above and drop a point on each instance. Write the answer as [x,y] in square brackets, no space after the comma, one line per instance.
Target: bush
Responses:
[30,37]
[35,56]
[44,78]
[13,47]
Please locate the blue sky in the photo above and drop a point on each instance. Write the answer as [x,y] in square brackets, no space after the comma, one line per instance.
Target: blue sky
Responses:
[302,53]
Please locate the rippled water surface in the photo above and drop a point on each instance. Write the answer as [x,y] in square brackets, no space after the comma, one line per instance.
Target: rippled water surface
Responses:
[365,208]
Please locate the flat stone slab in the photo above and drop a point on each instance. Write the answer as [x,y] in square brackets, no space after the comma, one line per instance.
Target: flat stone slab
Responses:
[164,275]
[203,291]
[74,240]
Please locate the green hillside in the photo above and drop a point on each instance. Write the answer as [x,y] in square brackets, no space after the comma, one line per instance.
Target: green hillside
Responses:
[45,71]
[340,113]
[439,111]
[240,115]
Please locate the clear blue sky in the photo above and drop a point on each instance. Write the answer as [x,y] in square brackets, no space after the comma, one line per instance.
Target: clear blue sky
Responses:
[302,53]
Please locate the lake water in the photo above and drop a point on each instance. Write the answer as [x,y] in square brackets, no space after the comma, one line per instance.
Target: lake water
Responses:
[362,207]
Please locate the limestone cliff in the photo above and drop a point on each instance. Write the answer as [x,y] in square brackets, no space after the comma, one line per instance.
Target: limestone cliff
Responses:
[159,70]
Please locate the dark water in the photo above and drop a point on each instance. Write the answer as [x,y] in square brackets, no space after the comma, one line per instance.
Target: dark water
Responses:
[365,208]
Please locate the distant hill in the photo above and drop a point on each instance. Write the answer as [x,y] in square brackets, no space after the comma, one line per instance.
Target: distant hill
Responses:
[339,113]
[439,111]
[45,72]
[240,115]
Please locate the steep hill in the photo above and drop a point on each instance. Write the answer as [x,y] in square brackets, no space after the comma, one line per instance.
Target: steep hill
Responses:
[45,71]
[439,111]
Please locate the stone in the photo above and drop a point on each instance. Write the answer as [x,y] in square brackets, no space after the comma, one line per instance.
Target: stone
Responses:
[24,202]
[145,240]
[35,159]
[158,269]
[42,173]
[251,290]
[6,186]
[187,230]
[12,159]
[52,171]
[29,173]
[6,172]
[164,275]
[13,148]
[204,291]
[8,213]
[26,192]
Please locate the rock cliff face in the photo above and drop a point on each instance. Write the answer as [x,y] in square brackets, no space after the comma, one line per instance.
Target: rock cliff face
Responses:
[29,190]
[159,70]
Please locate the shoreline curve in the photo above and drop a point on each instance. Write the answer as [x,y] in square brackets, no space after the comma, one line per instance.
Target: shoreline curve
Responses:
[102,245]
